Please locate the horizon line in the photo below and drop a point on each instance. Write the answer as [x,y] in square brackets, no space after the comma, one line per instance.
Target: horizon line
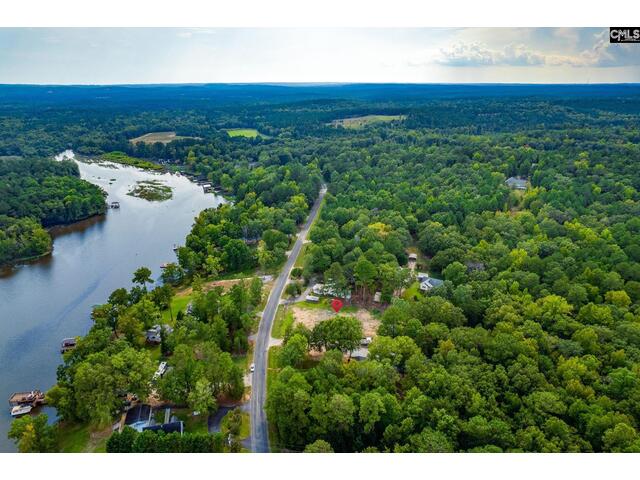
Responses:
[311,84]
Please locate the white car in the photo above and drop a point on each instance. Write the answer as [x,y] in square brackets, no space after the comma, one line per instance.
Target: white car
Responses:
[252,367]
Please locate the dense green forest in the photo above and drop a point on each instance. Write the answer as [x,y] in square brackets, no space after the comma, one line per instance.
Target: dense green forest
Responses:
[531,344]
[37,193]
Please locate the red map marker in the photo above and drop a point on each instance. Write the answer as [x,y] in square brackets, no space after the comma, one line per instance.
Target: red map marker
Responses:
[336,304]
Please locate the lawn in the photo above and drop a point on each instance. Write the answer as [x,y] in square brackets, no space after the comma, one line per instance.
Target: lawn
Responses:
[240,361]
[283,321]
[245,426]
[192,423]
[363,121]
[413,292]
[272,366]
[243,132]
[158,137]
[178,303]
[78,438]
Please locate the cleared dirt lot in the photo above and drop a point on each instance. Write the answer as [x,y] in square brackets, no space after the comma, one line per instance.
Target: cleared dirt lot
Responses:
[309,317]
[157,137]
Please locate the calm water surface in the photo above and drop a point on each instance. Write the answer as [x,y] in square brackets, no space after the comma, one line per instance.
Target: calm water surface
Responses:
[45,301]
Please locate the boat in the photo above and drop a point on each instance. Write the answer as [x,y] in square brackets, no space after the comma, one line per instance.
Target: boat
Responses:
[33,398]
[20,410]
[175,247]
[164,265]
[115,205]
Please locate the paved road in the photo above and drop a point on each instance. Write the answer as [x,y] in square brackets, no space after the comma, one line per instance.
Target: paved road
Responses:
[259,428]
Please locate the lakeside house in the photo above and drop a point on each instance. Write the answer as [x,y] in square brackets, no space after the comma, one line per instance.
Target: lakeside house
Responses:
[516,183]
[141,418]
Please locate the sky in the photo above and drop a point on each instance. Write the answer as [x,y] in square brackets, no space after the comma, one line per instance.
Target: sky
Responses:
[235,55]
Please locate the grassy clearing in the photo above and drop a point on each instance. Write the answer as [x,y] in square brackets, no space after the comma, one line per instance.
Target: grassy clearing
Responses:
[363,121]
[272,374]
[241,361]
[272,365]
[413,292]
[283,321]
[245,425]
[243,132]
[124,159]
[192,423]
[151,190]
[78,438]
[158,137]
[178,303]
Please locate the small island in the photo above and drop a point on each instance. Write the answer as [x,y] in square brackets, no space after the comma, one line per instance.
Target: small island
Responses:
[151,190]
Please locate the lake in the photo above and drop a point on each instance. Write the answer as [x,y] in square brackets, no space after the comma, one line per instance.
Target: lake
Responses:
[44,301]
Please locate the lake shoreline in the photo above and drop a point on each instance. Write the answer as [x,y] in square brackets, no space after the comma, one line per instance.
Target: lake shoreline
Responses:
[51,297]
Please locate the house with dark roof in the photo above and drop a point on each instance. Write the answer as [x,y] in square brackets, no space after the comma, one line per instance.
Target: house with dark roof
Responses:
[427,283]
[170,427]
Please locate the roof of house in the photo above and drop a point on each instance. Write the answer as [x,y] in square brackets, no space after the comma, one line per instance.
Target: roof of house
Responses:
[167,427]
[138,413]
[429,283]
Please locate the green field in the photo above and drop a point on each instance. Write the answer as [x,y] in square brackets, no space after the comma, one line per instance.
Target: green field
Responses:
[158,137]
[243,132]
[359,122]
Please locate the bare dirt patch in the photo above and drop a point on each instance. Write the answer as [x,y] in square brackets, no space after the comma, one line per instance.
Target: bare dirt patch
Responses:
[309,317]
[158,137]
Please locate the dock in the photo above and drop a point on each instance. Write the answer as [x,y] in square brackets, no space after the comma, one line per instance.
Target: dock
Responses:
[33,398]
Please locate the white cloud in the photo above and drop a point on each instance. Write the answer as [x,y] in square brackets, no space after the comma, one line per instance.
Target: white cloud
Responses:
[474,54]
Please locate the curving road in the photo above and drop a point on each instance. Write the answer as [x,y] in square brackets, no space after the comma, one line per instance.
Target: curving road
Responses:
[259,427]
